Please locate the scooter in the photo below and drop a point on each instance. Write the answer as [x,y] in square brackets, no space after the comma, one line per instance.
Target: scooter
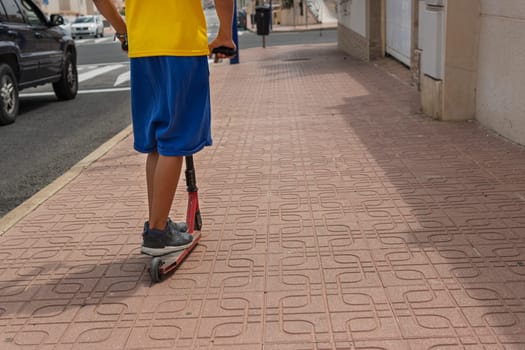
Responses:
[164,264]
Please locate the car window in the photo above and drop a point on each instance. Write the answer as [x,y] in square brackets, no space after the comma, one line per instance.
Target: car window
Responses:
[14,15]
[84,19]
[31,14]
[3,15]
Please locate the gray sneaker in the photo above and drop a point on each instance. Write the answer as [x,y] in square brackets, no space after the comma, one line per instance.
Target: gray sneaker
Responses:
[157,242]
[177,226]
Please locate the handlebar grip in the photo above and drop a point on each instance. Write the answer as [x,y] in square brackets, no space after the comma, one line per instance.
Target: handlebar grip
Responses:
[228,51]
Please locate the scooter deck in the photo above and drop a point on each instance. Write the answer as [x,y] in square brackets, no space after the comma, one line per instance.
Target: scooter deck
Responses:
[172,261]
[164,264]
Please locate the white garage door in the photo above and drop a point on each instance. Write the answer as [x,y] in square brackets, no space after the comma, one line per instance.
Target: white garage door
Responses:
[399,29]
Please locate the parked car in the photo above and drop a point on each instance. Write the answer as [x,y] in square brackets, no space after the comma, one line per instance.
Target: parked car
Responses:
[33,51]
[87,26]
[66,26]
[241,19]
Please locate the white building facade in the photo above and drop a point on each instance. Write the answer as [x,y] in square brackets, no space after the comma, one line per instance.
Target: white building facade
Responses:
[467,56]
[72,7]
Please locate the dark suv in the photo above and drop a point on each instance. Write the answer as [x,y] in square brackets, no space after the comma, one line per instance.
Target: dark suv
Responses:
[33,51]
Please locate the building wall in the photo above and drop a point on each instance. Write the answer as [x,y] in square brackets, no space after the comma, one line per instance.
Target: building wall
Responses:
[461,59]
[352,28]
[353,15]
[362,28]
[353,43]
[73,7]
[500,100]
[293,17]
[484,66]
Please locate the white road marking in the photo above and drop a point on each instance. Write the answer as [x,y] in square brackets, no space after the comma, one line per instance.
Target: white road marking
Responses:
[81,92]
[214,34]
[124,77]
[98,91]
[102,40]
[101,64]
[93,41]
[90,71]
[84,68]
[98,71]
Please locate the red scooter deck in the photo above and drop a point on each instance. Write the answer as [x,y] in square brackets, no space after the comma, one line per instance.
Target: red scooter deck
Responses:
[172,261]
[165,264]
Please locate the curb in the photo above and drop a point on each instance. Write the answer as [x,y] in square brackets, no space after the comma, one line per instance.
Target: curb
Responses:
[30,204]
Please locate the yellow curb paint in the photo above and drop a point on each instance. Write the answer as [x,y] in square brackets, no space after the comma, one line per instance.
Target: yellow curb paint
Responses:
[17,214]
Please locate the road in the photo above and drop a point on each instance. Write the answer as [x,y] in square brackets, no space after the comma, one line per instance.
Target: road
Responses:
[51,136]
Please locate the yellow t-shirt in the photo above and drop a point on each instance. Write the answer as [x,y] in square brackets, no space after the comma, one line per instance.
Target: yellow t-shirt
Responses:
[166,28]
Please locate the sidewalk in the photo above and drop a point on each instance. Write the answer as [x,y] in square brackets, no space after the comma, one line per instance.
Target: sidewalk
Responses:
[296,28]
[335,217]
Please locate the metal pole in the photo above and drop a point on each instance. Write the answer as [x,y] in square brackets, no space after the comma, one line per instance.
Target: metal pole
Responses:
[293,12]
[305,5]
[235,34]
[320,19]
[271,15]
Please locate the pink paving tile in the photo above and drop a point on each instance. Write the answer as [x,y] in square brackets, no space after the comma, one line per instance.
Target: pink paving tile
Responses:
[336,217]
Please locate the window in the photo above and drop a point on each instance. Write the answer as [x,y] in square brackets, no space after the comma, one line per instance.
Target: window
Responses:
[31,14]
[3,15]
[14,15]
[84,19]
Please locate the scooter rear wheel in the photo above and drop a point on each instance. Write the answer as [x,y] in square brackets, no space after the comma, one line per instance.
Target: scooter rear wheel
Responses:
[154,270]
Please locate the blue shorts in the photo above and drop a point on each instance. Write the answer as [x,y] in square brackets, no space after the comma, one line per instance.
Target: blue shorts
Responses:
[170,104]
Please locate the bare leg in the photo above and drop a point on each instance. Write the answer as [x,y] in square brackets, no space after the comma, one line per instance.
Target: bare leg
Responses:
[165,179]
[151,165]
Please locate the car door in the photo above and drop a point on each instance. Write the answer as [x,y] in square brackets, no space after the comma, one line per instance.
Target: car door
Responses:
[15,30]
[100,26]
[48,41]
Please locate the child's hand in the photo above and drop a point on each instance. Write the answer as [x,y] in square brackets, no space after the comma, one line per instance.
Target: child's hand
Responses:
[123,38]
[220,49]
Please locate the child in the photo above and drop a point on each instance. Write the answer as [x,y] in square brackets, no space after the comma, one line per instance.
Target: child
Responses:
[170,97]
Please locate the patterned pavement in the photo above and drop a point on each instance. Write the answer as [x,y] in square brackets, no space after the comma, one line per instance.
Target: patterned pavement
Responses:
[336,216]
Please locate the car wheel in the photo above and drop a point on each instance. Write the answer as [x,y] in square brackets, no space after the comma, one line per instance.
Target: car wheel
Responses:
[102,33]
[9,100]
[67,87]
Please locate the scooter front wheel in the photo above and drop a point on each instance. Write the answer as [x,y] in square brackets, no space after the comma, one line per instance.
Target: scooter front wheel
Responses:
[198,221]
